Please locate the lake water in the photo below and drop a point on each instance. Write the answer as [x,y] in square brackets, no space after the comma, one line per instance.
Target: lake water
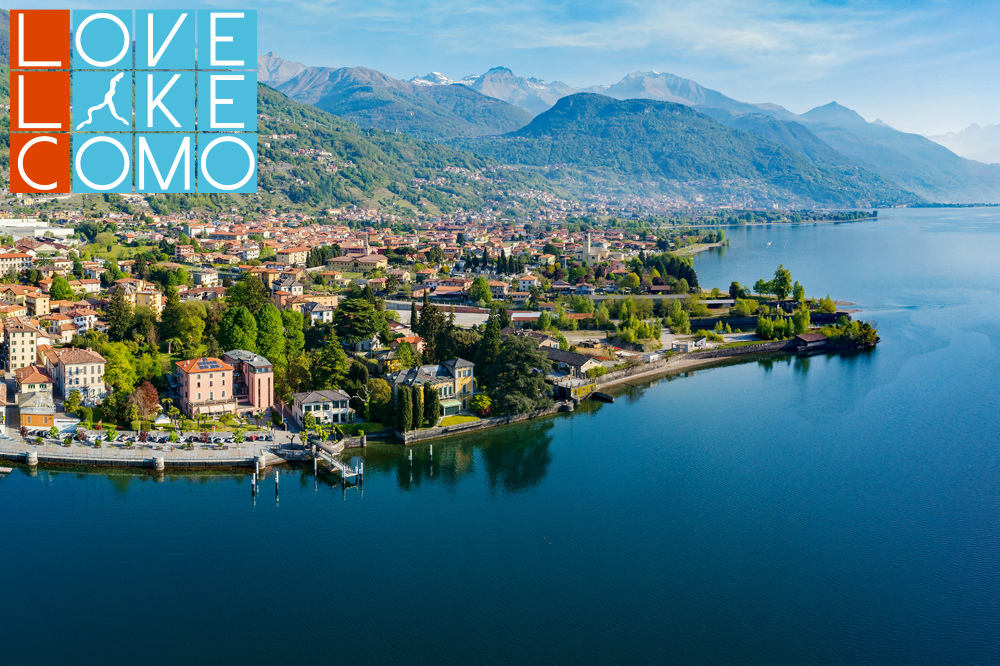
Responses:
[799,511]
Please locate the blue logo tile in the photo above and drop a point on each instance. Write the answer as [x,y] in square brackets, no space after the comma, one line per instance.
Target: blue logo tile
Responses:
[164,39]
[102,163]
[164,101]
[164,163]
[102,101]
[102,39]
[227,101]
[227,39]
[227,162]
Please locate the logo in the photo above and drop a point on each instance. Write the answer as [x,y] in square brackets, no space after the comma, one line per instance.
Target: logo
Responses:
[143,101]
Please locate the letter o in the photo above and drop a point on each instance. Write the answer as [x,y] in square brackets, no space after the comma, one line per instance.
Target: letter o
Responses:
[121,149]
[20,162]
[79,42]
[204,163]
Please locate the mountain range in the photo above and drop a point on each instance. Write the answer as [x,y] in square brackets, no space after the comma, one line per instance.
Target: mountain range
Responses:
[974,142]
[830,136]
[672,146]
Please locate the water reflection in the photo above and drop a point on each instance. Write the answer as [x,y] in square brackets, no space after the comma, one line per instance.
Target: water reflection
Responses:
[514,458]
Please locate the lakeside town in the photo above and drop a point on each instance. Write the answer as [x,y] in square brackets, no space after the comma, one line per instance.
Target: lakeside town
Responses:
[115,319]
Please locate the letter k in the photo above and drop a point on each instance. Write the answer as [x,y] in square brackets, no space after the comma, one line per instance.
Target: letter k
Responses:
[158,102]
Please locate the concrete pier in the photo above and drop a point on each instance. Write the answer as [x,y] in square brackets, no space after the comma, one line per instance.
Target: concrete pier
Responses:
[31,458]
[158,463]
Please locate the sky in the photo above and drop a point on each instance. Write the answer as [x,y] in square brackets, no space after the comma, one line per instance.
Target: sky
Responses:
[923,66]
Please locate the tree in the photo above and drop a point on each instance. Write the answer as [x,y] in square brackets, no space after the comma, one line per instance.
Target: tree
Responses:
[249,293]
[238,330]
[682,287]
[189,322]
[119,314]
[781,286]
[801,320]
[479,291]
[407,356]
[515,381]
[60,290]
[827,305]
[736,291]
[309,421]
[404,409]
[171,314]
[146,399]
[354,321]
[432,405]
[418,408]
[481,404]
[762,287]
[295,338]
[798,292]
[299,376]
[73,401]
[271,335]
[489,346]
[414,317]
[680,323]
[329,367]
[119,370]
[632,281]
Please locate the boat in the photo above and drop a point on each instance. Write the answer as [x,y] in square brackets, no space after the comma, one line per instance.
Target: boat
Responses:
[602,397]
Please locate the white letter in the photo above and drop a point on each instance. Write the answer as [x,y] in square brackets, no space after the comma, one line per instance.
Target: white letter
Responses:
[158,102]
[184,151]
[214,101]
[155,59]
[57,64]
[20,110]
[204,162]
[20,162]
[214,40]
[102,139]
[127,42]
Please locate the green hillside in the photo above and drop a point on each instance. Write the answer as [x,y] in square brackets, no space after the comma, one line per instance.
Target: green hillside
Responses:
[646,140]
[372,165]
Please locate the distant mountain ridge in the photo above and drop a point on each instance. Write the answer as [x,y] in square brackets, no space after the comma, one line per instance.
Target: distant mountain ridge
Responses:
[912,162]
[975,142]
[673,146]
[372,99]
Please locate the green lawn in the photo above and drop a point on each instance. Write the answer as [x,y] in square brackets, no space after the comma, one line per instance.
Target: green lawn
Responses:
[455,420]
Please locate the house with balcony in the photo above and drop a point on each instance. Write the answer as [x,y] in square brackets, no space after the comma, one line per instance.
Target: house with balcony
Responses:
[325,406]
[253,381]
[205,386]
[453,381]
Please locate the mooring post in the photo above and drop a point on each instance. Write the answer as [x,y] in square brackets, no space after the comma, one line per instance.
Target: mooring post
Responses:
[411,457]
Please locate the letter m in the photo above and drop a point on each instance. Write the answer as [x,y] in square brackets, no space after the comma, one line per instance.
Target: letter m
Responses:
[183,155]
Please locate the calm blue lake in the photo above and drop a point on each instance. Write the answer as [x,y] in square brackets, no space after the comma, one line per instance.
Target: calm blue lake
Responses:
[831,510]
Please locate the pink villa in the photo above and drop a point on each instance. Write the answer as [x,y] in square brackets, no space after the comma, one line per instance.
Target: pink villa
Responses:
[240,383]
[253,381]
[205,386]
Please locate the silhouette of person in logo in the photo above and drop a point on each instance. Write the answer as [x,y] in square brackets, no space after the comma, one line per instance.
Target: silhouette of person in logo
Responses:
[108,102]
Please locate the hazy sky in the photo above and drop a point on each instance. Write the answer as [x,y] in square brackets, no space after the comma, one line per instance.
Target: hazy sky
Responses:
[922,66]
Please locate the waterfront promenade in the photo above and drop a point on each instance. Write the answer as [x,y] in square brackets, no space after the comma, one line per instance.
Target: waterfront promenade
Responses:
[113,454]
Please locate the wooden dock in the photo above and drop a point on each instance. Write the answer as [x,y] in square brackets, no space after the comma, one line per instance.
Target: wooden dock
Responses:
[345,471]
[6,470]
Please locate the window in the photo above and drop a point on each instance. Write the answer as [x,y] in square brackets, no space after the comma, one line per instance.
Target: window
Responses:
[199,396]
[223,394]
[211,383]
[309,408]
[211,395]
[199,384]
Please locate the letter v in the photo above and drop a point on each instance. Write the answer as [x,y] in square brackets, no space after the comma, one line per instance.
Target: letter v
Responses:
[163,47]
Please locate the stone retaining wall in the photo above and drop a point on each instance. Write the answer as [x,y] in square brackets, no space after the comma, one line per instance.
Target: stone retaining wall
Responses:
[414,436]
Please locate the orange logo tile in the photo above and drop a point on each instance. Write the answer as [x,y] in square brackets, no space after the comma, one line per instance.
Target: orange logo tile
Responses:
[40,163]
[39,39]
[39,102]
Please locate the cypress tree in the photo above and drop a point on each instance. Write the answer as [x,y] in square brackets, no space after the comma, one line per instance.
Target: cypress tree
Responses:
[404,409]
[418,409]
[432,405]
[414,317]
